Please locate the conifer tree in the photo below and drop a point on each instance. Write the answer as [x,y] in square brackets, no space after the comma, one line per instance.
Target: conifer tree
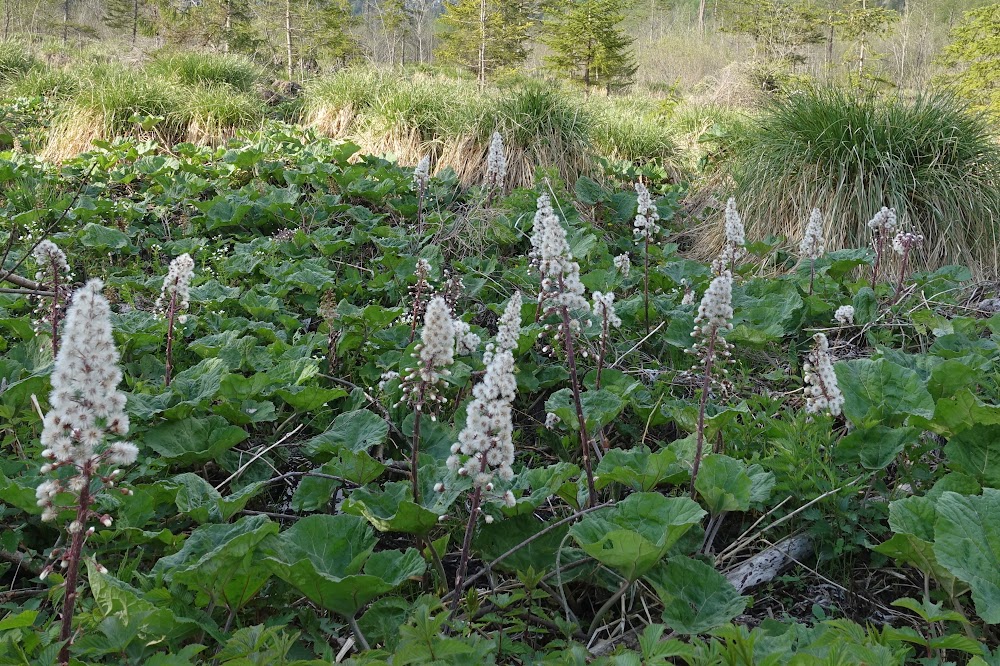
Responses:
[974,56]
[588,43]
[484,36]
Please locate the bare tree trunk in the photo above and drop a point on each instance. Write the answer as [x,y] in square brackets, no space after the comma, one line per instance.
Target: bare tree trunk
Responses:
[6,19]
[135,20]
[701,17]
[228,26]
[288,35]
[65,35]
[482,44]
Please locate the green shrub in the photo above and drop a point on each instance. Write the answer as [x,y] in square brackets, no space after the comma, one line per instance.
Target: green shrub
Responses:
[929,158]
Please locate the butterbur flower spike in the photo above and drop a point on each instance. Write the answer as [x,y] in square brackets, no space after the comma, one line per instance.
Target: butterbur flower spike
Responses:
[496,164]
[174,299]
[85,408]
[734,247]
[821,387]
[54,273]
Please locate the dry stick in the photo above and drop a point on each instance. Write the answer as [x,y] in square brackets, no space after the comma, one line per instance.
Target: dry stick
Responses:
[638,344]
[463,565]
[605,608]
[514,549]
[73,558]
[27,292]
[741,542]
[258,455]
[8,274]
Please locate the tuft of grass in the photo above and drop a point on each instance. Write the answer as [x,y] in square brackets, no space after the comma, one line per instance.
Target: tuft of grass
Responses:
[43,82]
[15,61]
[636,130]
[192,69]
[214,112]
[935,163]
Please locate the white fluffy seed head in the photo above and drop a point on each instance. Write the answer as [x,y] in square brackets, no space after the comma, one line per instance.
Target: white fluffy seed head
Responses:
[735,244]
[821,388]
[485,446]
[884,221]
[422,174]
[437,348]
[49,257]
[561,284]
[647,216]
[604,310]
[813,246]
[623,264]
[845,315]
[905,241]
[716,308]
[496,163]
[176,285]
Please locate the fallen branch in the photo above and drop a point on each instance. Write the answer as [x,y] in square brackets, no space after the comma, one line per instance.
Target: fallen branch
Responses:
[768,564]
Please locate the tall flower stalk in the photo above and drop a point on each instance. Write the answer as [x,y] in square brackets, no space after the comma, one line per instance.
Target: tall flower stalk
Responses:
[734,247]
[645,228]
[485,447]
[903,244]
[883,226]
[434,354]
[173,301]
[86,408]
[496,167]
[422,272]
[715,315]
[561,296]
[813,246]
[53,272]
[604,309]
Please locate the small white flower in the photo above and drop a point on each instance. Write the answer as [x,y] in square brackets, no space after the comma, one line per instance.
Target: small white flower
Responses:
[551,420]
[623,264]
[489,519]
[647,216]
[176,285]
[439,487]
[906,241]
[821,387]
[421,175]
[884,221]
[845,315]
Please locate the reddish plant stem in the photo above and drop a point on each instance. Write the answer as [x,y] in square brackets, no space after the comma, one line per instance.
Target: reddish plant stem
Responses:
[575,384]
[73,566]
[645,288]
[902,275]
[171,318]
[415,447]
[416,308]
[878,257]
[420,212]
[463,565]
[812,275]
[705,384]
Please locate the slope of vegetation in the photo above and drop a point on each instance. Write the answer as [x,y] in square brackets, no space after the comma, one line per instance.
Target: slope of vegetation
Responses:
[269,511]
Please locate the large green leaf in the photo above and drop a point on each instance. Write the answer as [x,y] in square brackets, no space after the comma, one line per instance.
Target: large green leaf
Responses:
[696,597]
[392,509]
[967,543]
[315,492]
[193,440]
[329,559]
[199,499]
[724,484]
[875,447]
[634,534]
[221,560]
[639,469]
[358,431]
[976,451]
[600,407]
[882,392]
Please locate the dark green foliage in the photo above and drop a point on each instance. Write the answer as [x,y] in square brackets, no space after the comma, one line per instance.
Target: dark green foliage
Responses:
[588,43]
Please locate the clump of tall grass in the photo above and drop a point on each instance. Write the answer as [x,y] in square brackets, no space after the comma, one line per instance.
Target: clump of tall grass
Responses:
[216,112]
[15,60]
[936,164]
[109,97]
[633,129]
[207,69]
[43,82]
